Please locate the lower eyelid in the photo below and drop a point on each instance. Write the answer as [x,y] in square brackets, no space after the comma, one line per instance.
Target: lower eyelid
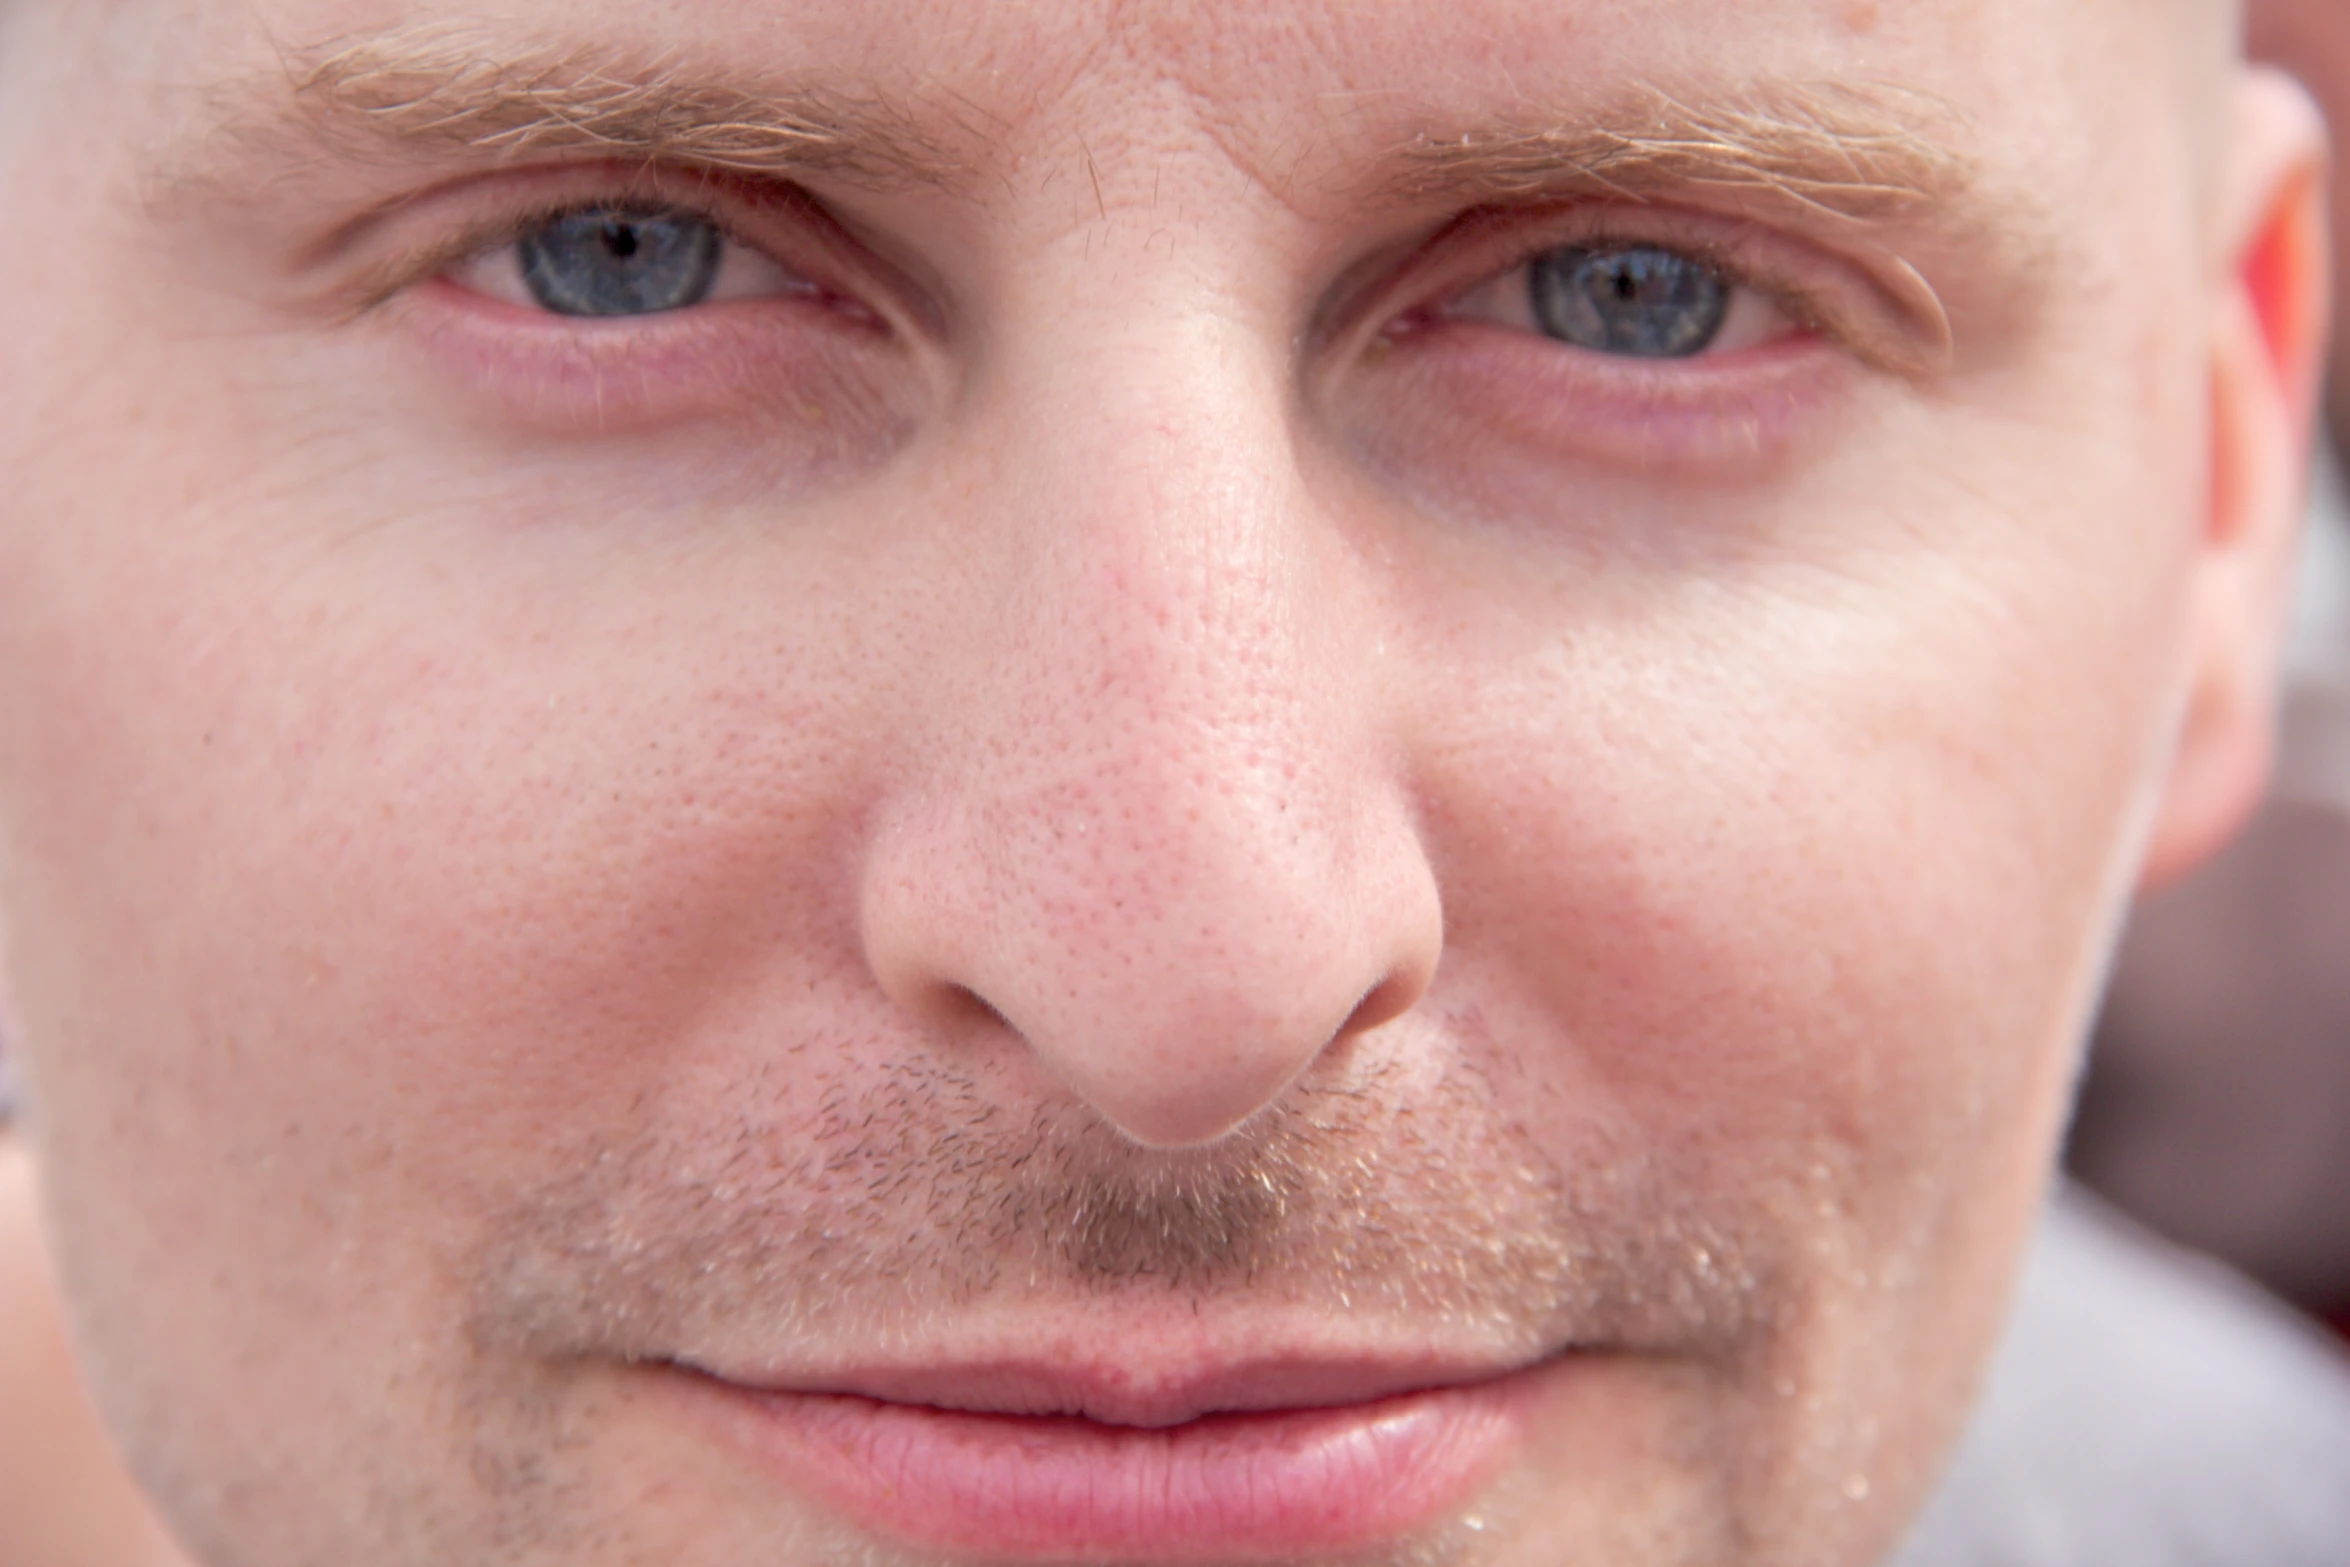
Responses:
[835,375]
[1520,401]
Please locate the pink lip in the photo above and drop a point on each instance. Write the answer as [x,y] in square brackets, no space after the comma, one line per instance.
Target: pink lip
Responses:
[1162,1481]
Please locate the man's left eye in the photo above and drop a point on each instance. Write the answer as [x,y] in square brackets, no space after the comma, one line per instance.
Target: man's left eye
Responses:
[614,261]
[1629,301]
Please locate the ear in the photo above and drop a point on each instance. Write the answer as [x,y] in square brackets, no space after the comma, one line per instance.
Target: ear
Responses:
[2267,357]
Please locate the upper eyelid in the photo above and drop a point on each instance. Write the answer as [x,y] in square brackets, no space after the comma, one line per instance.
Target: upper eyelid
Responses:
[792,227]
[518,226]
[1886,313]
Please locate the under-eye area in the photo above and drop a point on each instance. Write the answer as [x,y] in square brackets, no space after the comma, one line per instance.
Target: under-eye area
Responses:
[1659,340]
[1633,360]
[567,306]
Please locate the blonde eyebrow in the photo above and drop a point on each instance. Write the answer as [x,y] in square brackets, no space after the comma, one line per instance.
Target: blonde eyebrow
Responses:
[451,87]
[1836,150]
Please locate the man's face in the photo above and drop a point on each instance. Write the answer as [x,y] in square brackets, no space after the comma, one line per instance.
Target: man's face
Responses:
[906,782]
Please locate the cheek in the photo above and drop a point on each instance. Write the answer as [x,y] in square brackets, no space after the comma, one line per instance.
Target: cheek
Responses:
[1790,944]
[363,879]
[1802,866]
[480,810]
[1808,876]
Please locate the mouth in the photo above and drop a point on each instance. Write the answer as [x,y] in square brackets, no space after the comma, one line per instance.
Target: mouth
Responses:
[1248,1461]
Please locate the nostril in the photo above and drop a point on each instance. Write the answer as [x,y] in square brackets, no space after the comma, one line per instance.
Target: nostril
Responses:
[962,1004]
[1383,1003]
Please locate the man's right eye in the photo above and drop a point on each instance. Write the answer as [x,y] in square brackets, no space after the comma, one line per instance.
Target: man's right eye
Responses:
[605,262]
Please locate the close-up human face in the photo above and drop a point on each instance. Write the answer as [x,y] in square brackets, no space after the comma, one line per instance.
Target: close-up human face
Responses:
[913,783]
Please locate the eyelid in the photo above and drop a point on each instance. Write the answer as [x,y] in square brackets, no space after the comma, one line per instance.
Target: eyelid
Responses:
[1884,313]
[1751,317]
[487,236]
[420,238]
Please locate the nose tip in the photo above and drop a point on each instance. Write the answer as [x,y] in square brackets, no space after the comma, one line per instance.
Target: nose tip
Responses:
[1160,972]
[1212,1064]
[1218,1061]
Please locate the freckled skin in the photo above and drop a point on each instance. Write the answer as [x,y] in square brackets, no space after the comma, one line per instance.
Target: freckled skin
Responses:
[1150,793]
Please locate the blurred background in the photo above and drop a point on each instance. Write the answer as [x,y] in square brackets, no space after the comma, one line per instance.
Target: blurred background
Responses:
[2216,1108]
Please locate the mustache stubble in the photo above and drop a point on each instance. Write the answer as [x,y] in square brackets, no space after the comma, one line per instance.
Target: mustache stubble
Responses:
[898,1204]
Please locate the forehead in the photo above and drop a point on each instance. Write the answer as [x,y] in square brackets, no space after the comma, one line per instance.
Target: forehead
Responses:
[1419,47]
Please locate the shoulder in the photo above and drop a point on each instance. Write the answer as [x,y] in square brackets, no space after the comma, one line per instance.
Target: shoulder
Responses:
[2147,1408]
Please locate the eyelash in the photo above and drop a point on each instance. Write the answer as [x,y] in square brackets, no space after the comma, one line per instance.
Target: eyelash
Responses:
[756,218]
[728,354]
[838,368]
[1454,270]
[1730,260]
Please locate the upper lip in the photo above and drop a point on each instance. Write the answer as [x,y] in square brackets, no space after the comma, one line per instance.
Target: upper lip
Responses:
[1115,1393]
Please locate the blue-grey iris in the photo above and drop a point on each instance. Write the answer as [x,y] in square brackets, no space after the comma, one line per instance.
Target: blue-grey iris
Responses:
[610,261]
[1639,301]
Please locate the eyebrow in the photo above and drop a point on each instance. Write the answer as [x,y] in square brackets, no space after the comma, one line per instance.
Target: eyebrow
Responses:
[454,88]
[1838,150]
[1848,153]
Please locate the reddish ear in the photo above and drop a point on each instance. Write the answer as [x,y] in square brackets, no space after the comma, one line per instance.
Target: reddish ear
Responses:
[2268,349]
[2286,279]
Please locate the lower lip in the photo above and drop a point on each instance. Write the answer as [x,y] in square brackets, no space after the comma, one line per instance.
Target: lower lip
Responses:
[1224,1487]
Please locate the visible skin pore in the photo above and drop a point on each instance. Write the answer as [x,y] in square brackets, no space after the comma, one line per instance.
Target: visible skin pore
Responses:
[1124,779]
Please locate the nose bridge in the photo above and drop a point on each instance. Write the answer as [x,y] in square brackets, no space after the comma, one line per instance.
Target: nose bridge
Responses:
[1161,844]
[1166,631]
[1167,684]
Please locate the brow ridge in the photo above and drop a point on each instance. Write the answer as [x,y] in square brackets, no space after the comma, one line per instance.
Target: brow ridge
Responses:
[1844,151]
[451,85]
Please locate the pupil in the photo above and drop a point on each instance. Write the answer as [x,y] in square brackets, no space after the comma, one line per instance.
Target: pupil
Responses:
[1641,302]
[620,262]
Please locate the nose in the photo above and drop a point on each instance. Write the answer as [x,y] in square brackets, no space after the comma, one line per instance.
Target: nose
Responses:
[1159,830]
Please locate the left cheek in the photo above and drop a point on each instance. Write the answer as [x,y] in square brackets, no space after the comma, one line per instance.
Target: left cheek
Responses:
[1815,929]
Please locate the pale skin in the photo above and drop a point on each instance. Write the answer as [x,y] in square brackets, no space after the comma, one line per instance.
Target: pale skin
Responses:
[1105,756]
